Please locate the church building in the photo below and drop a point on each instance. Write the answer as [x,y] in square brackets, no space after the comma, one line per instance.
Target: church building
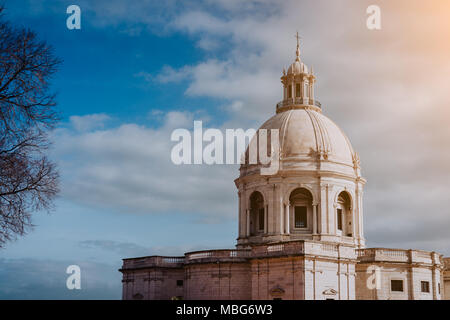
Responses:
[301,230]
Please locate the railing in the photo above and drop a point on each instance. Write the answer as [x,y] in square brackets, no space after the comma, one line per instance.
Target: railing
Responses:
[275,248]
[329,247]
[153,261]
[299,101]
[394,255]
[217,254]
[173,259]
[278,249]
[383,254]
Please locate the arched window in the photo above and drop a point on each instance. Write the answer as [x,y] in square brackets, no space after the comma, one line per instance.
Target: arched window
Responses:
[301,207]
[257,213]
[344,215]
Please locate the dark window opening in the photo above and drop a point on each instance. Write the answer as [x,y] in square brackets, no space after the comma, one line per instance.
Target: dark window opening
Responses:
[261,219]
[256,208]
[339,219]
[289,92]
[300,217]
[397,285]
[425,286]
[297,90]
[179,283]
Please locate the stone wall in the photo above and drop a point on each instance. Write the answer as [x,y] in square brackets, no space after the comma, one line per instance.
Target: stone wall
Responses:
[300,270]
[377,269]
[153,284]
[218,281]
[446,275]
[278,278]
[328,279]
[152,278]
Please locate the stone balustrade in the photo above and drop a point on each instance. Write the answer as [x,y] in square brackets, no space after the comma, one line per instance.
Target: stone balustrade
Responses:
[398,255]
[229,255]
[278,249]
[290,248]
[152,261]
[298,101]
[208,255]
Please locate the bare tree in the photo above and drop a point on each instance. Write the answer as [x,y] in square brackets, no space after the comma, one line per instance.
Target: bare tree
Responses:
[28,179]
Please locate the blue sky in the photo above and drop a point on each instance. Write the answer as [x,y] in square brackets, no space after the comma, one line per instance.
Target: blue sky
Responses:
[137,70]
[99,75]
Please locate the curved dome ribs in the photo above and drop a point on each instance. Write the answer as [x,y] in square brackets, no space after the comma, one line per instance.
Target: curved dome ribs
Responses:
[283,129]
[322,138]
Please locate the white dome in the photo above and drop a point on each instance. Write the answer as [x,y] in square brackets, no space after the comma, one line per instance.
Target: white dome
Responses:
[307,136]
[297,67]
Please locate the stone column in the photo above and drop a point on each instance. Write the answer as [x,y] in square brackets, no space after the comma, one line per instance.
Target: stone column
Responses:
[352,212]
[314,218]
[331,211]
[275,211]
[302,88]
[280,216]
[360,214]
[433,280]
[247,222]
[287,219]
[241,227]
[411,280]
[266,220]
[323,210]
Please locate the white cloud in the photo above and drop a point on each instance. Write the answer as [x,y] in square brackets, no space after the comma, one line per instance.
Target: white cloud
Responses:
[168,74]
[89,122]
[129,169]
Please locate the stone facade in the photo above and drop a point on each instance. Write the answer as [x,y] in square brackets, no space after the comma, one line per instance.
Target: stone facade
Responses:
[446,278]
[300,234]
[420,273]
[297,270]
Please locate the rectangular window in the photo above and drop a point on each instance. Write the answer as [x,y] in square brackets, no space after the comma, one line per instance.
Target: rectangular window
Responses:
[339,219]
[397,285]
[261,219]
[179,283]
[439,288]
[301,217]
[425,286]
[290,91]
[297,90]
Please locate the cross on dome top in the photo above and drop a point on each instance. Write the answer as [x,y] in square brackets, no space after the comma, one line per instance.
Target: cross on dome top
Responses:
[298,47]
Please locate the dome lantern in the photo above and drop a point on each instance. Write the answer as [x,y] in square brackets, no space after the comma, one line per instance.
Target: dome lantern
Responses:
[298,86]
